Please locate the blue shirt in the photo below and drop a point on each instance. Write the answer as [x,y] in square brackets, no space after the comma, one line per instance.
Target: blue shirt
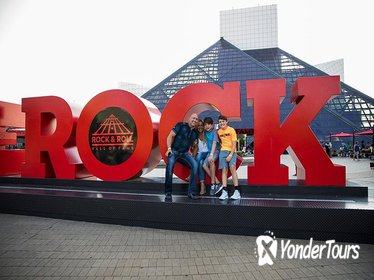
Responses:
[210,137]
[184,137]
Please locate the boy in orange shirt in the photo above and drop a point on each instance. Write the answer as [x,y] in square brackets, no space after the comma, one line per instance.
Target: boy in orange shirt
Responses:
[227,157]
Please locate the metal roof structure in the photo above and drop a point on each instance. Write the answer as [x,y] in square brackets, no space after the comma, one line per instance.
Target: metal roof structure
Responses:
[223,62]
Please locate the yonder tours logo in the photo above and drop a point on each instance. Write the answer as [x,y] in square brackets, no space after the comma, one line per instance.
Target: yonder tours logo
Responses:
[266,249]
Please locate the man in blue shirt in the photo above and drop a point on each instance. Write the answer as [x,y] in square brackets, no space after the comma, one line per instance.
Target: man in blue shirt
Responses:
[181,138]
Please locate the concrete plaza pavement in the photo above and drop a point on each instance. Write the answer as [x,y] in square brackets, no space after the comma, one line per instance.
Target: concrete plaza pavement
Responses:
[358,173]
[45,248]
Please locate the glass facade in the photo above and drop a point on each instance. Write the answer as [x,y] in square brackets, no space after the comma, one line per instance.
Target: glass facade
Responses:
[334,67]
[224,62]
[250,28]
[352,106]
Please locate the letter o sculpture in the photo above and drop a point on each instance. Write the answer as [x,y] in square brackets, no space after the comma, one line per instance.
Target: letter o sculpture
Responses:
[139,154]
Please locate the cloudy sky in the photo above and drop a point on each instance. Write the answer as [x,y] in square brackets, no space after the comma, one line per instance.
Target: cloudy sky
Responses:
[76,49]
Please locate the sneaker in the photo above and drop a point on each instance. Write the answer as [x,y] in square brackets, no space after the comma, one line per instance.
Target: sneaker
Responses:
[235,195]
[224,195]
[212,189]
[219,188]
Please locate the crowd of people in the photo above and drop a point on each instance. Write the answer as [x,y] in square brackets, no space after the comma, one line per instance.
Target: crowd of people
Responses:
[355,151]
[200,146]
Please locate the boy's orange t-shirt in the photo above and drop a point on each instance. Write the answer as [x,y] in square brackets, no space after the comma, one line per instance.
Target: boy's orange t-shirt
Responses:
[227,136]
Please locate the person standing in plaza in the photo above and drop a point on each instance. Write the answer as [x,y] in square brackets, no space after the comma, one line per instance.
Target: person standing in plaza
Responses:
[356,151]
[181,138]
[227,157]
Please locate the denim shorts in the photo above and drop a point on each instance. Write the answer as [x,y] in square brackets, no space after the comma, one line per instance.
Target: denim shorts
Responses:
[215,156]
[222,159]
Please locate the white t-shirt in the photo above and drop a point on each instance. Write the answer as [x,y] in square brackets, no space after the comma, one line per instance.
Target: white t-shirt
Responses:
[202,146]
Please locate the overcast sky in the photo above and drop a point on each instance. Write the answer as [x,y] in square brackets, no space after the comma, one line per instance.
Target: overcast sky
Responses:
[76,49]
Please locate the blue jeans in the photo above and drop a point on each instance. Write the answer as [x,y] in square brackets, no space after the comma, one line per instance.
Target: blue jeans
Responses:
[200,157]
[184,158]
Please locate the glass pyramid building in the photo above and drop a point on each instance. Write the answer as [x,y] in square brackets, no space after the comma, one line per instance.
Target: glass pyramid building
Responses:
[223,62]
